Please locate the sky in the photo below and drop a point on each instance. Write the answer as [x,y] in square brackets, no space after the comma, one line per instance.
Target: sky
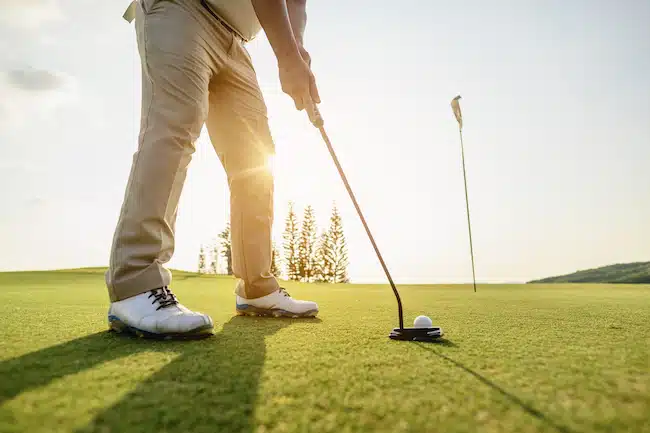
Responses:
[556,106]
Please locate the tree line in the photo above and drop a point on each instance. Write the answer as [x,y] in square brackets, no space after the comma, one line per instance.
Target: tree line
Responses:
[307,255]
[619,273]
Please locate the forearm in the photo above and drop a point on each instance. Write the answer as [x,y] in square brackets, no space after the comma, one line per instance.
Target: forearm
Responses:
[298,18]
[274,18]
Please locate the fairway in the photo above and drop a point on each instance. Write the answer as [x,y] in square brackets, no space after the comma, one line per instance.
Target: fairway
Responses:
[528,358]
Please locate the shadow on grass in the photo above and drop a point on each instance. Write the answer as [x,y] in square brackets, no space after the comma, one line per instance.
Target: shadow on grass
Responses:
[186,277]
[210,386]
[513,398]
[443,342]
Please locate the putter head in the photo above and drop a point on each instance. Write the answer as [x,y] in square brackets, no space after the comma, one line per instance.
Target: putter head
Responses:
[417,334]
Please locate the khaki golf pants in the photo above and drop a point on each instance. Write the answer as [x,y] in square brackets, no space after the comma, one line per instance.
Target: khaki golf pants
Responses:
[194,72]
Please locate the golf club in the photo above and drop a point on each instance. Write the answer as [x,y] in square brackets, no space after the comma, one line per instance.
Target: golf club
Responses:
[410,334]
[455,106]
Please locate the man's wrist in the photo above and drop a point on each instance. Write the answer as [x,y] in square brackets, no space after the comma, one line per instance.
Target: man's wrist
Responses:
[289,56]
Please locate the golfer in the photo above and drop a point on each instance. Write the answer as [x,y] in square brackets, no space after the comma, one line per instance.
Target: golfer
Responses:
[195,71]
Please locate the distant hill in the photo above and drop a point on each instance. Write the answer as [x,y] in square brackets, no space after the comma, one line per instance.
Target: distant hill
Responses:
[621,273]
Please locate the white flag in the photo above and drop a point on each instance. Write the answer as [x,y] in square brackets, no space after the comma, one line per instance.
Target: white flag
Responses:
[455,105]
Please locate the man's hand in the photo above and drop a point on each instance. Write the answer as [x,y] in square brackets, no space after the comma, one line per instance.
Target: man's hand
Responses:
[284,23]
[298,81]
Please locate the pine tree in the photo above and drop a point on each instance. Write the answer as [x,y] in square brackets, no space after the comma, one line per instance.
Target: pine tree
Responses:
[290,237]
[226,246]
[307,246]
[338,249]
[275,262]
[323,271]
[214,264]
[202,260]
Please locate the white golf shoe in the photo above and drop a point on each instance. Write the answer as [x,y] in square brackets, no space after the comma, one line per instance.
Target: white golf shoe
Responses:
[158,314]
[277,304]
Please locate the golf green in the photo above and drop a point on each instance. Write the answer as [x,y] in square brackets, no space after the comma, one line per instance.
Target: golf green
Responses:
[516,358]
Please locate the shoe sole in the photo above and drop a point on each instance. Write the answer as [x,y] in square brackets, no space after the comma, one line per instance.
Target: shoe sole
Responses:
[119,327]
[250,310]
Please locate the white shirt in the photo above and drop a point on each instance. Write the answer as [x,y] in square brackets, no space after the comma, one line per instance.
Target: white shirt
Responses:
[239,14]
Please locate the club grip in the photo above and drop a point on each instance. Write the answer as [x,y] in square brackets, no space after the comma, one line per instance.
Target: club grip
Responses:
[314,115]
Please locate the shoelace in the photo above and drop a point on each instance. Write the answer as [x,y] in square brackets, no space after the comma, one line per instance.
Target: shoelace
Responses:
[164,297]
[284,292]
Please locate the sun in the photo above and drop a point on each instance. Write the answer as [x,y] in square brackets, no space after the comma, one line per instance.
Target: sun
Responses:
[270,164]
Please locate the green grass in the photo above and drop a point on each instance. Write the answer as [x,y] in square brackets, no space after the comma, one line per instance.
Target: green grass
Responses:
[530,358]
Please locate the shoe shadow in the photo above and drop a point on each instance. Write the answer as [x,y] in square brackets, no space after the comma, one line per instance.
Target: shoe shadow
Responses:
[210,386]
[513,398]
[39,368]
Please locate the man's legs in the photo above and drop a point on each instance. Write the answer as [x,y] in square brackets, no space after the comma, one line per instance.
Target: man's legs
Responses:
[179,56]
[239,130]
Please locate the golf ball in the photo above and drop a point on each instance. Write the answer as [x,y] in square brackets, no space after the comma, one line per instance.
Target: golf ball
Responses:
[422,322]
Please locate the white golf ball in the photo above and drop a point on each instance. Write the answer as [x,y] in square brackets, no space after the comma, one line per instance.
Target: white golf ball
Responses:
[422,322]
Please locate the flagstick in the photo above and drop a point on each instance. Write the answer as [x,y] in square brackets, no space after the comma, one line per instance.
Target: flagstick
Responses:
[457,112]
[469,224]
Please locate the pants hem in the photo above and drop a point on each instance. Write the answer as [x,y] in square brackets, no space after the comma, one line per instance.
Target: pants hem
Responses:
[150,278]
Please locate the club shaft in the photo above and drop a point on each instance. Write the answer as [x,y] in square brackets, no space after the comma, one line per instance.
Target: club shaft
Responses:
[363,221]
[469,224]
